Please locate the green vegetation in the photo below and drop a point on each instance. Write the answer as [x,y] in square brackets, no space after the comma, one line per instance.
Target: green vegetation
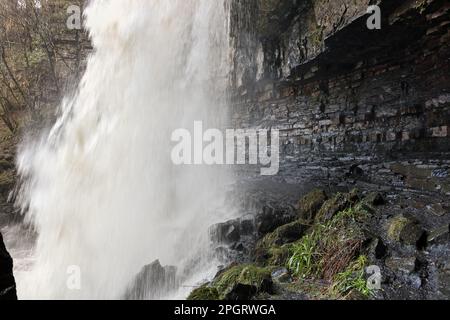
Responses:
[205,292]
[325,260]
[328,248]
[243,274]
[304,259]
[310,204]
[246,274]
[353,278]
[396,225]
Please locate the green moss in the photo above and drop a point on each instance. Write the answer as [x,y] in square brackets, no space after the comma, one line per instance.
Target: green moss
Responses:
[285,234]
[273,249]
[204,293]
[278,256]
[331,207]
[310,204]
[396,225]
[244,274]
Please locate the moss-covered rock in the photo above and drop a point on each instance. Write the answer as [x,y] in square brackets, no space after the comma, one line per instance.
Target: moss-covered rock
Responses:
[395,227]
[285,234]
[237,282]
[205,292]
[331,207]
[273,249]
[405,230]
[278,256]
[310,204]
[244,275]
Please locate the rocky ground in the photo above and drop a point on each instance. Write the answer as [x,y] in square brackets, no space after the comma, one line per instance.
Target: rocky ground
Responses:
[333,245]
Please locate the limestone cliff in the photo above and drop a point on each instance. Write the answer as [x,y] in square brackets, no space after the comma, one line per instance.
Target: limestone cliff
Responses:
[371,102]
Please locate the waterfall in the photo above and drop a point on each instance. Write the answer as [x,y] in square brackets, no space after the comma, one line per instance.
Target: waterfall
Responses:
[100,187]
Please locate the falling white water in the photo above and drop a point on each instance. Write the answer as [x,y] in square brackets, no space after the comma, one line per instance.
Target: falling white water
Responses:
[100,188]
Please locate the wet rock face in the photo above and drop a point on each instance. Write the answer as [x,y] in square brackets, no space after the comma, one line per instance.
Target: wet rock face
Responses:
[7,282]
[347,97]
[153,282]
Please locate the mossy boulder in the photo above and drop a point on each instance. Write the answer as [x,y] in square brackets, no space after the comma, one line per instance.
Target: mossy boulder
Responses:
[204,293]
[273,249]
[310,204]
[273,256]
[231,281]
[395,227]
[278,256]
[405,230]
[285,234]
[339,202]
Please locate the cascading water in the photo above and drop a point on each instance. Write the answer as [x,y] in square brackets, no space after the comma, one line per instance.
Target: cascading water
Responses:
[100,188]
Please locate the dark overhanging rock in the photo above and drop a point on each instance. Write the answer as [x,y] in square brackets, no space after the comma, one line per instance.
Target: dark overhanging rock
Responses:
[7,281]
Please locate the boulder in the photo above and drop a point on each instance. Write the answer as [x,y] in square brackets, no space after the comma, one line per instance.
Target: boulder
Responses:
[7,282]
[439,235]
[243,282]
[285,234]
[204,293]
[403,264]
[281,275]
[273,248]
[232,231]
[310,204]
[240,292]
[405,230]
[273,217]
[331,207]
[153,282]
